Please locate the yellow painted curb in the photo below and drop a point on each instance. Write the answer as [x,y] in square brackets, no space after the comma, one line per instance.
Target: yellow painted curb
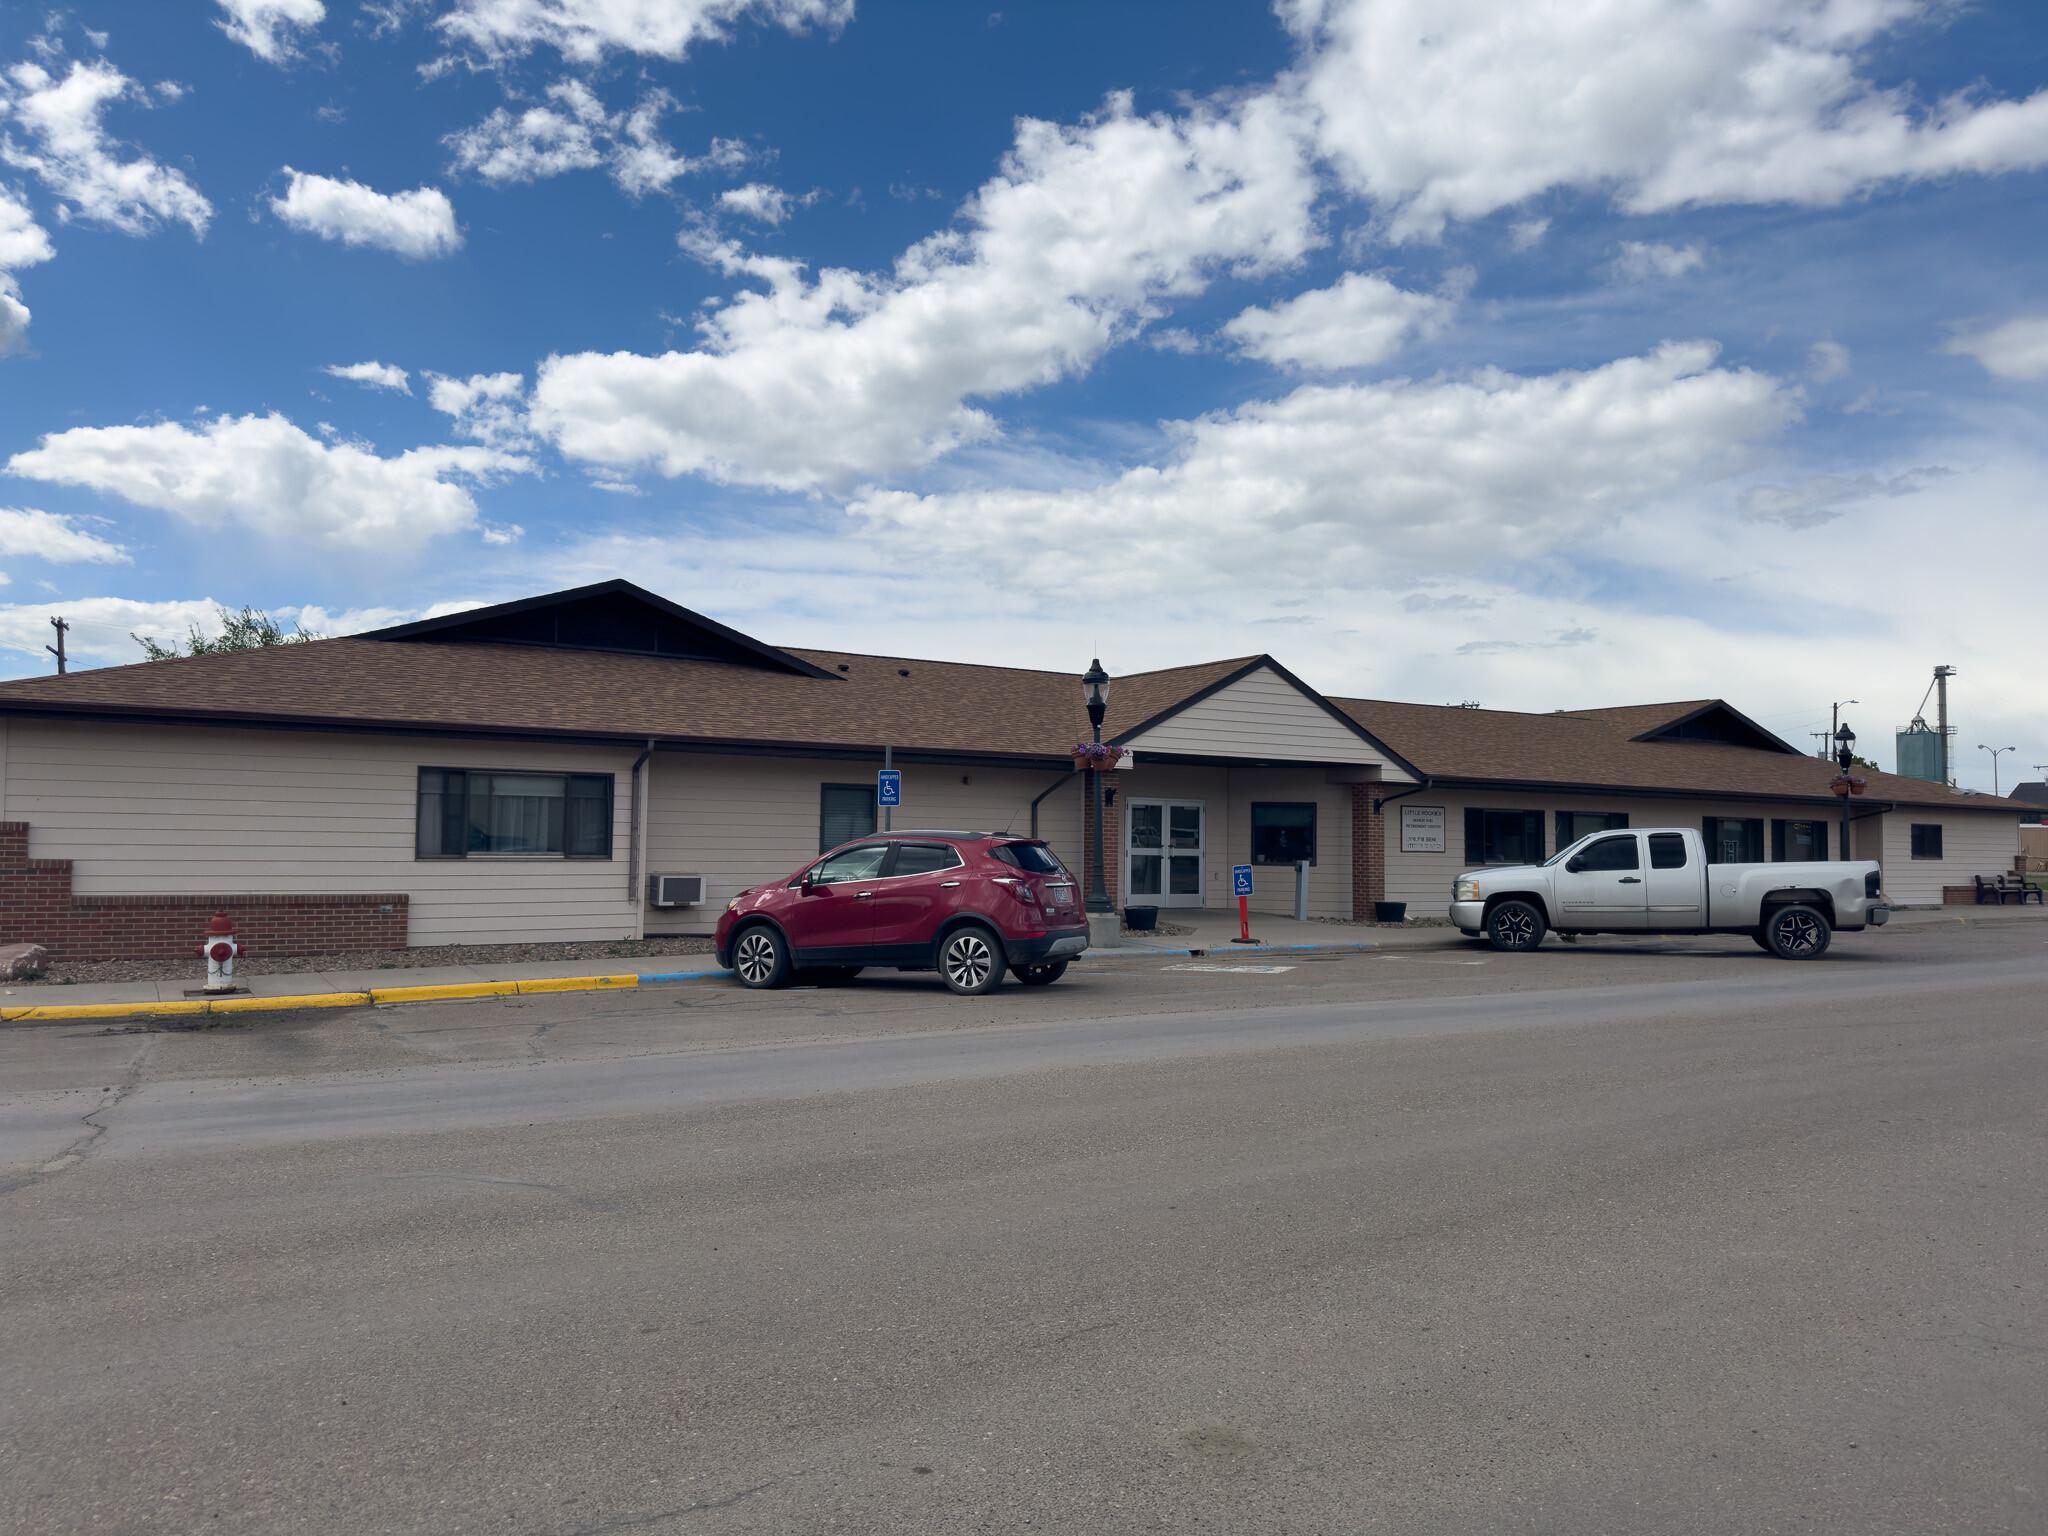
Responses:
[580,983]
[321,999]
[452,989]
[265,1004]
[97,1010]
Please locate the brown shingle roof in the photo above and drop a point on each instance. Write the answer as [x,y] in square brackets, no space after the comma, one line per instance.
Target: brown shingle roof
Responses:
[1593,748]
[468,686]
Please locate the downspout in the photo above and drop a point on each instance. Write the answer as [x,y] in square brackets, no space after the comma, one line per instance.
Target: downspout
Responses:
[1390,799]
[636,849]
[1378,804]
[1056,783]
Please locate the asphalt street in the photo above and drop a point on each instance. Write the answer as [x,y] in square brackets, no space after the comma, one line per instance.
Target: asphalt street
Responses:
[1626,1236]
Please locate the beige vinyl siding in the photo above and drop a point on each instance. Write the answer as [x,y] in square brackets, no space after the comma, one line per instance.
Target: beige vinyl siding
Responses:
[1423,880]
[149,810]
[1262,715]
[739,821]
[1982,843]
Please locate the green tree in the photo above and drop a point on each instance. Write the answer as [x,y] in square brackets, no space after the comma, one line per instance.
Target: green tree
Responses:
[250,630]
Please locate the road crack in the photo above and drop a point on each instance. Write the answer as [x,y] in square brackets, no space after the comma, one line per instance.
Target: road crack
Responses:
[83,1146]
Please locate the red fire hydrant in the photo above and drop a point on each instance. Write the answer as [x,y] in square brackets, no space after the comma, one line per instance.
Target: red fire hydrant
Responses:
[220,948]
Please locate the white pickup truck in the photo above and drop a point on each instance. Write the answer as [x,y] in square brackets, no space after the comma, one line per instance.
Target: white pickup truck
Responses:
[1658,880]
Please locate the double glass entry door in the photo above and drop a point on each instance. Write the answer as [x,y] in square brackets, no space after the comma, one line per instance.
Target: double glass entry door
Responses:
[1164,848]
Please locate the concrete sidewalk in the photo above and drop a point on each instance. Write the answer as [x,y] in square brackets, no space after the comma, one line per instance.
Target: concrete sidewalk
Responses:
[1214,932]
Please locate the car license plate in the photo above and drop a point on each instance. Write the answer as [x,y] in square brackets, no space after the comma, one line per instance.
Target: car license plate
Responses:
[1061,894]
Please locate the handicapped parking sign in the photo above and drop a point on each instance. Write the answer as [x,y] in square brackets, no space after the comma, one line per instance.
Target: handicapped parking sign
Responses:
[1241,880]
[889,786]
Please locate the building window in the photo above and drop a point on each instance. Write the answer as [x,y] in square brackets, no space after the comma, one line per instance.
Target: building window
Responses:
[1735,839]
[476,813]
[1283,833]
[1926,840]
[1573,825]
[845,811]
[1503,837]
[1798,841]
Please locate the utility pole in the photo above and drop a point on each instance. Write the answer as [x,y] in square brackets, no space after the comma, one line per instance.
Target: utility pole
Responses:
[1941,725]
[57,650]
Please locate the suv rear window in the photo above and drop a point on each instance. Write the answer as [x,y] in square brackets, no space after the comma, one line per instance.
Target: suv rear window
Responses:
[1035,857]
[924,858]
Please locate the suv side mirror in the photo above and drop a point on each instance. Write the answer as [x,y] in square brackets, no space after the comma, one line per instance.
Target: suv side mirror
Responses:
[1576,864]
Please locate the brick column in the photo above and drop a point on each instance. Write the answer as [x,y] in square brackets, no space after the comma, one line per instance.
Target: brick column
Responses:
[1112,841]
[1368,853]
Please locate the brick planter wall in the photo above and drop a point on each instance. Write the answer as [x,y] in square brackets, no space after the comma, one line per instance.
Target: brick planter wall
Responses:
[37,907]
[1368,853]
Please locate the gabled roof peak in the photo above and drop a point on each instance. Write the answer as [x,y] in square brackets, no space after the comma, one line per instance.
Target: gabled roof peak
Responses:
[605,616]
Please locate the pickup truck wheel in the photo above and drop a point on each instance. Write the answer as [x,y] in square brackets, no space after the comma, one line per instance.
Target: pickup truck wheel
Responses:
[1515,925]
[1797,933]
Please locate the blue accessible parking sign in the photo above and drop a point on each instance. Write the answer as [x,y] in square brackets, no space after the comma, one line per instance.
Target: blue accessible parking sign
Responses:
[889,786]
[1240,880]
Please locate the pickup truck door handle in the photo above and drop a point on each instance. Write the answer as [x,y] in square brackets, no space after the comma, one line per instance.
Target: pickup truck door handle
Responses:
[1624,880]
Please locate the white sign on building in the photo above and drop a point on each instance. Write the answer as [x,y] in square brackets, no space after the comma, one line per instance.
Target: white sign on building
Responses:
[1422,829]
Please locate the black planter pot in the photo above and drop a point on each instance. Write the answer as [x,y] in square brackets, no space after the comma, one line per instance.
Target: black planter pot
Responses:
[1141,919]
[1390,911]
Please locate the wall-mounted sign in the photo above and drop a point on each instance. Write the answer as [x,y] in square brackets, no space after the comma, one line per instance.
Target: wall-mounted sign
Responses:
[1422,829]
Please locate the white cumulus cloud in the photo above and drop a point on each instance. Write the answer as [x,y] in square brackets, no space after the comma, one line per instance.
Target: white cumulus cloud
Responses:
[418,224]
[1365,483]
[821,384]
[71,153]
[1641,260]
[1451,109]
[759,201]
[573,131]
[2016,350]
[489,407]
[270,29]
[262,472]
[374,375]
[1360,320]
[47,536]
[586,31]
[102,627]
[23,243]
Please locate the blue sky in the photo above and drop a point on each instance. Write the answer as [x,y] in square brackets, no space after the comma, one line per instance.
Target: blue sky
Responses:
[1446,349]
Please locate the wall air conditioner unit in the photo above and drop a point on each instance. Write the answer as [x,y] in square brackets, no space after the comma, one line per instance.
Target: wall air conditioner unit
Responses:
[675,890]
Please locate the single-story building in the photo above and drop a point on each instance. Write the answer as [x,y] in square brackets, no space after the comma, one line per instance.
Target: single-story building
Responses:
[524,772]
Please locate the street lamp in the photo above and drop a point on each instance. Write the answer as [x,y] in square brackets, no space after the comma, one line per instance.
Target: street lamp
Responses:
[1845,759]
[1994,751]
[1095,689]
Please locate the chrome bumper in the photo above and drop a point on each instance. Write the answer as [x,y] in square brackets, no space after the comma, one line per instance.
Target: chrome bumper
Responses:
[1877,917]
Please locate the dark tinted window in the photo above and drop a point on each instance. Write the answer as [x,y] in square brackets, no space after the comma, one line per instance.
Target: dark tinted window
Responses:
[1927,840]
[1735,839]
[1035,857]
[924,858]
[1503,837]
[862,863]
[1283,833]
[1573,825]
[1609,853]
[464,812]
[1667,850]
[845,811]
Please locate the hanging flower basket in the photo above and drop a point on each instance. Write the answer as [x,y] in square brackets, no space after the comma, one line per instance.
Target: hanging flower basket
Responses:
[1099,755]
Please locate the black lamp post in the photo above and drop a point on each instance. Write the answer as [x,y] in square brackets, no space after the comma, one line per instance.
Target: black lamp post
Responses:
[1845,759]
[1095,689]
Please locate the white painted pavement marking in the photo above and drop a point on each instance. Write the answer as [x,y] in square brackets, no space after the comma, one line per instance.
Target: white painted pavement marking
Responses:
[1233,970]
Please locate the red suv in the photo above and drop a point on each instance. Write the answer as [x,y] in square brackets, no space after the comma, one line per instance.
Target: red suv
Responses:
[966,904]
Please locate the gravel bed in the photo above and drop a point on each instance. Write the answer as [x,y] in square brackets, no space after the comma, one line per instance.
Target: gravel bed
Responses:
[80,972]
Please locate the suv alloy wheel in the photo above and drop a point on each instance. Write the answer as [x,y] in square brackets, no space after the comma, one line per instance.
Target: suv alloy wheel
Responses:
[971,960]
